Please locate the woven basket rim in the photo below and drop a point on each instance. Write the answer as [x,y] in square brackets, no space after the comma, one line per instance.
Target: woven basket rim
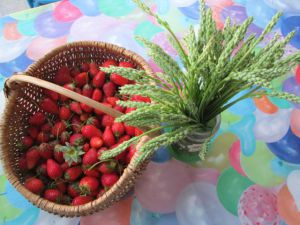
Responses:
[131,169]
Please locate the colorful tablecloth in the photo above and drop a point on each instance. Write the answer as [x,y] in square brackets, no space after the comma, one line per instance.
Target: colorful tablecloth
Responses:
[252,173]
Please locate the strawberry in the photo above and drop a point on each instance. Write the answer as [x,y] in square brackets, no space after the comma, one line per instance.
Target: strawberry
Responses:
[126,137]
[75,107]
[78,90]
[85,67]
[77,139]
[90,131]
[63,76]
[33,132]
[130,130]
[126,64]
[131,151]
[97,95]
[129,110]
[112,100]
[118,129]
[53,195]
[107,167]
[37,119]
[58,155]
[51,94]
[54,170]
[121,156]
[46,150]
[76,124]
[99,79]
[98,112]
[93,69]
[108,137]
[58,128]
[73,173]
[86,108]
[64,113]
[109,89]
[100,150]
[32,157]
[101,192]
[34,185]
[41,170]
[23,163]
[73,190]
[27,141]
[64,137]
[119,108]
[90,157]
[96,142]
[94,121]
[74,71]
[87,90]
[72,154]
[86,147]
[61,186]
[48,105]
[109,62]
[92,172]
[64,166]
[137,132]
[70,86]
[109,179]
[88,184]
[42,137]
[46,127]
[81,200]
[81,79]
[84,117]
[107,121]
[139,98]
[118,79]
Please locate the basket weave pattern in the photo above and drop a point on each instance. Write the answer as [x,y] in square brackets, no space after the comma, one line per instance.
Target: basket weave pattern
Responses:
[24,100]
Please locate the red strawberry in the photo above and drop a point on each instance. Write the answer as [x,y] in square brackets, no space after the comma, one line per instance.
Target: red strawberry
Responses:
[86,147]
[90,131]
[27,141]
[71,87]
[119,108]
[139,98]
[109,89]
[76,124]
[88,184]
[99,79]
[84,117]
[73,173]
[130,130]
[64,113]
[42,137]
[78,90]
[109,62]
[101,192]
[81,200]
[32,157]
[98,112]
[118,129]
[64,166]
[37,119]
[63,76]
[81,79]
[41,170]
[131,151]
[101,150]
[48,105]
[75,107]
[73,190]
[74,71]
[76,139]
[126,64]
[87,90]
[85,67]
[34,185]
[109,179]
[97,95]
[53,195]
[61,186]
[90,157]
[126,137]
[54,170]
[96,142]
[58,128]
[107,167]
[138,132]
[118,79]
[107,121]
[64,137]
[93,69]
[92,173]
[94,121]
[58,155]
[51,94]
[46,150]
[112,100]
[23,163]
[129,110]
[108,137]
[86,108]
[33,132]
[46,127]
[121,156]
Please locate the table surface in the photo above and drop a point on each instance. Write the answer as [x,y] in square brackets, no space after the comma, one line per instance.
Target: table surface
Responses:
[169,192]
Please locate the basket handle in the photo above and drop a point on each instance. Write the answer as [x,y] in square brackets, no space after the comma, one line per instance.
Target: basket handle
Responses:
[14,82]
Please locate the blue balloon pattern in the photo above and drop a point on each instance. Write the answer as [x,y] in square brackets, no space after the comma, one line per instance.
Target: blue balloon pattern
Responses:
[168,219]
[282,168]
[139,215]
[292,24]
[87,7]
[244,107]
[191,11]
[161,155]
[28,217]
[16,65]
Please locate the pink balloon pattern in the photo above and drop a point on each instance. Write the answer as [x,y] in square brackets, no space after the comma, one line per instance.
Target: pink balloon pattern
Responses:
[234,155]
[66,12]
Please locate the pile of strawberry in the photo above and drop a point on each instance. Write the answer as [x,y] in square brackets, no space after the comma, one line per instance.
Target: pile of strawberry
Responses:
[65,138]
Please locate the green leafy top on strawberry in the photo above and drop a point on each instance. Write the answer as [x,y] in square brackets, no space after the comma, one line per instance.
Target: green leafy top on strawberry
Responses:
[71,153]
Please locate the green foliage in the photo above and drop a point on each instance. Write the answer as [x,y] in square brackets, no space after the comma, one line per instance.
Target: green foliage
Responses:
[218,64]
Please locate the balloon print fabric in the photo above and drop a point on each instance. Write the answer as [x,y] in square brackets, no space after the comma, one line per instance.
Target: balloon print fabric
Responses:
[252,172]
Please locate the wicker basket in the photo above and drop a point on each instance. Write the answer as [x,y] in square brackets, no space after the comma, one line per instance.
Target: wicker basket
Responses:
[24,92]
